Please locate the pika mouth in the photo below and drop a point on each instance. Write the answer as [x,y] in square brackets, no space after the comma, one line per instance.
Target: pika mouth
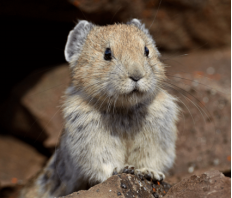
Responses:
[135,91]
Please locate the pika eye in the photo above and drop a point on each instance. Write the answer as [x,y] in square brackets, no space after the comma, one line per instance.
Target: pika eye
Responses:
[107,55]
[146,51]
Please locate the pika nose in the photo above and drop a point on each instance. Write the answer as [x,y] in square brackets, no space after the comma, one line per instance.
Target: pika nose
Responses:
[135,72]
[135,77]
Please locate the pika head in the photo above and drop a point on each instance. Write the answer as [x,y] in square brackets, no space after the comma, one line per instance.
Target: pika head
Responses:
[118,63]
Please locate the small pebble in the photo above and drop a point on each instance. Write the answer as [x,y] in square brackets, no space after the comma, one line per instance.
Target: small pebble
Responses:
[216,162]
[195,83]
[190,169]
[221,106]
[119,193]
[132,172]
[210,70]
[126,171]
[141,177]
[193,177]
[205,189]
[123,186]
[155,195]
[203,140]
[213,92]
[205,99]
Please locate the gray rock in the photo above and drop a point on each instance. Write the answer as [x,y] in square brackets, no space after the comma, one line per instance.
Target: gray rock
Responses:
[211,184]
[207,185]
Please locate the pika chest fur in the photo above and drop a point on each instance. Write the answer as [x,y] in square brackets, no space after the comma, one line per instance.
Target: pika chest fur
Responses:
[116,112]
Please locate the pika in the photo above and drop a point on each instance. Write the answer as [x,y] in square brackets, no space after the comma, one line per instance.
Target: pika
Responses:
[117,114]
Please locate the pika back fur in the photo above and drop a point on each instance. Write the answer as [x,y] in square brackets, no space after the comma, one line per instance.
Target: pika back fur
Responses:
[116,111]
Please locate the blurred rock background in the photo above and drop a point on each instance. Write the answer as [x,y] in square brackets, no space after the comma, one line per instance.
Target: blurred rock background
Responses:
[193,36]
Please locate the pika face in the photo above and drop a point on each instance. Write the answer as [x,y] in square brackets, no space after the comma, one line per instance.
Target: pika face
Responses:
[118,63]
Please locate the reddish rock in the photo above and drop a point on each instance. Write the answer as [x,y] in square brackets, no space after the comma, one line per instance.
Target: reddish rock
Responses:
[175,24]
[124,186]
[34,109]
[18,121]
[211,184]
[43,101]
[179,24]
[18,161]
[204,140]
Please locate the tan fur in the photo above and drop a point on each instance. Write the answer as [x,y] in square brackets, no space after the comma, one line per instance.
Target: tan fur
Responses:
[110,120]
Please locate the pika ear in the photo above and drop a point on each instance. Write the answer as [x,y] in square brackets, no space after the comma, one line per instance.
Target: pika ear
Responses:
[142,27]
[135,22]
[139,25]
[76,39]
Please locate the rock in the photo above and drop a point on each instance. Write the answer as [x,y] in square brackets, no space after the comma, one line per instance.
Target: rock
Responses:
[33,112]
[18,161]
[176,25]
[18,121]
[204,129]
[123,186]
[43,101]
[211,184]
